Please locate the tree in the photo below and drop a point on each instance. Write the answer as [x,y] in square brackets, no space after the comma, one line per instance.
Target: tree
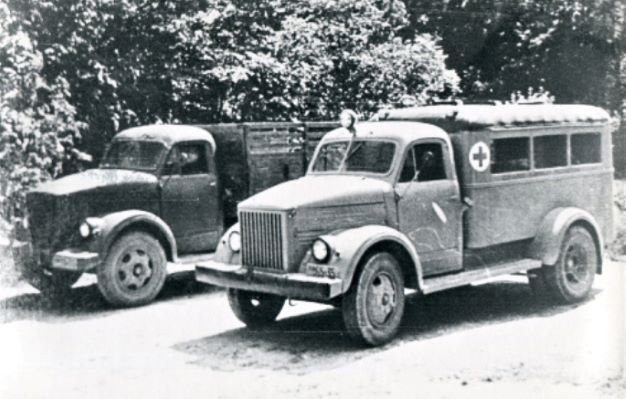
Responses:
[570,47]
[37,124]
[130,62]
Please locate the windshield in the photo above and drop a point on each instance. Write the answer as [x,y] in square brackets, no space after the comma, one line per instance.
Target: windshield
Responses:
[135,155]
[364,156]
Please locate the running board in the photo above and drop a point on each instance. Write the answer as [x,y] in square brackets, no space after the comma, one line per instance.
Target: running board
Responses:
[434,284]
[187,263]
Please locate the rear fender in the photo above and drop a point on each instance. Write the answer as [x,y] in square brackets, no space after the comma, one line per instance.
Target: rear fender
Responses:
[349,247]
[115,224]
[547,242]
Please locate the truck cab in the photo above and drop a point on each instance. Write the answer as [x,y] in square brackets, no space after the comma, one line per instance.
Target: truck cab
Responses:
[428,198]
[155,196]
[163,194]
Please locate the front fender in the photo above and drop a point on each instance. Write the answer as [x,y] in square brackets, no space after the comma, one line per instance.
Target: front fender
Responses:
[547,242]
[349,246]
[114,224]
[223,252]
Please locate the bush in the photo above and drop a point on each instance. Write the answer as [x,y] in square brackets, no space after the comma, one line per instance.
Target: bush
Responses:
[37,123]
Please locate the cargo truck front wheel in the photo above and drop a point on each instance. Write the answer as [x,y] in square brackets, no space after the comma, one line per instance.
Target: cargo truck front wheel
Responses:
[134,270]
[255,309]
[374,305]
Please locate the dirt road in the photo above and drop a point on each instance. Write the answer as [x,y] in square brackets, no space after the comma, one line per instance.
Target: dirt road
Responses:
[492,340]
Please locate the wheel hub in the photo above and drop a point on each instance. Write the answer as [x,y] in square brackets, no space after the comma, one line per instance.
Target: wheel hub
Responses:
[381,299]
[575,265]
[134,269]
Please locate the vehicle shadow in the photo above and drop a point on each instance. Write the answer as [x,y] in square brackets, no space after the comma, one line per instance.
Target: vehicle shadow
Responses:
[318,341]
[86,301]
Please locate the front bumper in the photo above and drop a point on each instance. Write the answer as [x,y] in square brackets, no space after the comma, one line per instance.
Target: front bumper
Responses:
[75,260]
[292,285]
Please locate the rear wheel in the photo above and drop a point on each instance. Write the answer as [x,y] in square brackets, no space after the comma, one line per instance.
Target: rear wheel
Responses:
[133,271]
[571,278]
[374,305]
[255,309]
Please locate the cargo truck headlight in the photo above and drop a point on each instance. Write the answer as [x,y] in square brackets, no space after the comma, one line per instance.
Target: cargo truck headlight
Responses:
[321,250]
[91,226]
[84,229]
[234,241]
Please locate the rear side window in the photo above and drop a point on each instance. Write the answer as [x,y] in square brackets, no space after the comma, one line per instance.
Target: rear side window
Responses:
[510,155]
[586,148]
[550,151]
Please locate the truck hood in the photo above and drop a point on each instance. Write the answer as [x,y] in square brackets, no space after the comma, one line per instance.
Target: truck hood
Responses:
[319,192]
[94,179]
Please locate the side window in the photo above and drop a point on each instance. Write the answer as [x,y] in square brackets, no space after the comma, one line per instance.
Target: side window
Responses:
[193,159]
[510,155]
[586,148]
[172,163]
[187,159]
[550,151]
[409,168]
[429,162]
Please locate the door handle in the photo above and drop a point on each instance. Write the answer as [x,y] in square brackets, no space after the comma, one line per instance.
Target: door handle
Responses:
[212,184]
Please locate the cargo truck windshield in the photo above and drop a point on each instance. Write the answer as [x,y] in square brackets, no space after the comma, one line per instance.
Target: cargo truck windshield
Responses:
[364,156]
[134,155]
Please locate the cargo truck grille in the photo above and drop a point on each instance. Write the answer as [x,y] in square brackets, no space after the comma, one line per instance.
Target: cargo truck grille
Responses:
[262,239]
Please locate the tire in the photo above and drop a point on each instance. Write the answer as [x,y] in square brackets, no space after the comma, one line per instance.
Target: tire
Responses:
[571,278]
[255,309]
[52,284]
[133,271]
[374,305]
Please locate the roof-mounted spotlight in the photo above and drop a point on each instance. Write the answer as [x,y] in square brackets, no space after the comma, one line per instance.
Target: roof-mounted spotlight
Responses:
[348,119]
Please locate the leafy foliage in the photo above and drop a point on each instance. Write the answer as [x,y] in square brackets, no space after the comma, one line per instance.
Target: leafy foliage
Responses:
[37,124]
[570,47]
[132,62]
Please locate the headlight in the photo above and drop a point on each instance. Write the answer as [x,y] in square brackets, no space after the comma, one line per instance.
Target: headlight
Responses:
[84,229]
[321,250]
[91,226]
[234,241]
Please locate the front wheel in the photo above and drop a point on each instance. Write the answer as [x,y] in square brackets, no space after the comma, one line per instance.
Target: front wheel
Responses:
[255,309]
[374,305]
[133,271]
[571,278]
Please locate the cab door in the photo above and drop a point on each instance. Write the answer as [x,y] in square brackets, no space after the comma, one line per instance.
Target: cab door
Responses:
[189,197]
[429,206]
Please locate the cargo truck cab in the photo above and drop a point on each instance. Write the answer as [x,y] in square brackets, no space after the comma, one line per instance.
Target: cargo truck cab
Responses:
[428,198]
[160,199]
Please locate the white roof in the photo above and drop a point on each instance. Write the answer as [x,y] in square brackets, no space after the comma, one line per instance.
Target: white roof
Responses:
[472,116]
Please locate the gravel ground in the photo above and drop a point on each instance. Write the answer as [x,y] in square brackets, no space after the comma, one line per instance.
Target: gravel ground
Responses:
[490,340]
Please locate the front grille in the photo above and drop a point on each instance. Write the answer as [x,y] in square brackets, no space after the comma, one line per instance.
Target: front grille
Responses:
[53,220]
[42,215]
[262,239]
